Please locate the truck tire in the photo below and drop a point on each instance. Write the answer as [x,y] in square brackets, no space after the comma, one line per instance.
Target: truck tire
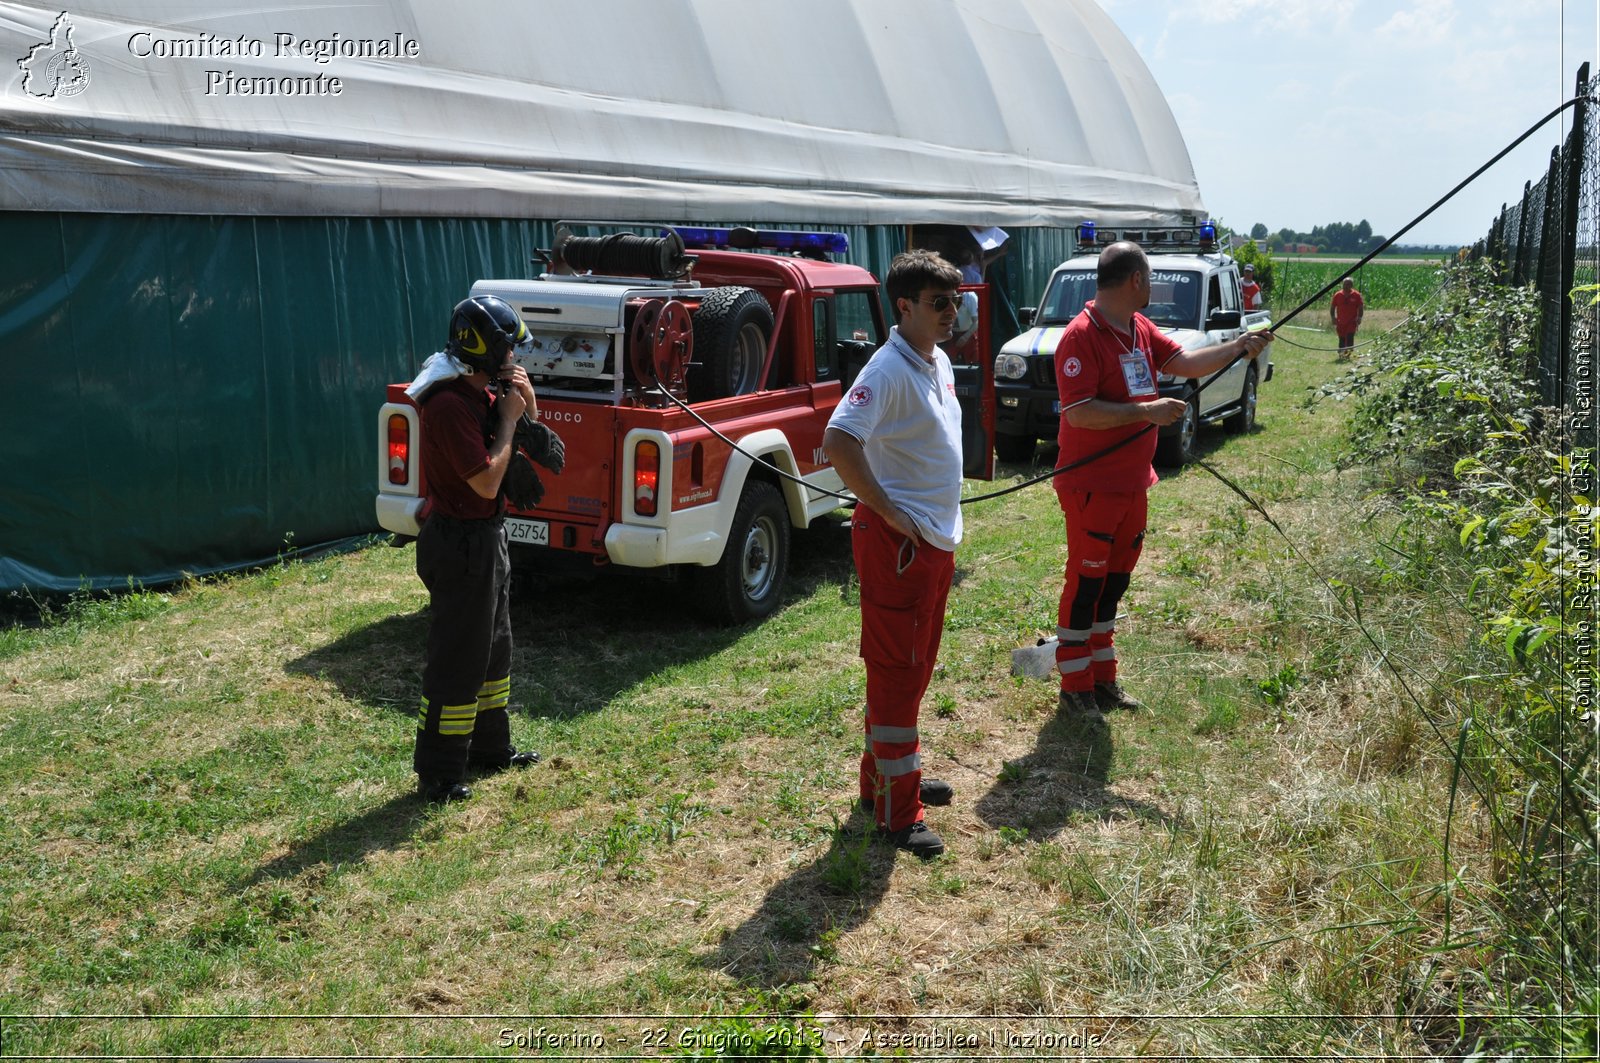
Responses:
[747,582]
[1177,449]
[1241,422]
[731,330]
[1016,449]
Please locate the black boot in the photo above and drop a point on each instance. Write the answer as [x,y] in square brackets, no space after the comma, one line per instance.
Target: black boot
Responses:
[440,791]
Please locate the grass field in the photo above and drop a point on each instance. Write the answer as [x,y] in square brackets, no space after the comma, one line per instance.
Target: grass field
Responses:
[211,847]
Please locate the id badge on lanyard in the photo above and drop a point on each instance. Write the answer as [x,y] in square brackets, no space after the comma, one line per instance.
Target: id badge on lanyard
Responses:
[1136,371]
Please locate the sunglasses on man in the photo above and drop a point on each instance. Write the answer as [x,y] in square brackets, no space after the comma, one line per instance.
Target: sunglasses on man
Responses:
[941,303]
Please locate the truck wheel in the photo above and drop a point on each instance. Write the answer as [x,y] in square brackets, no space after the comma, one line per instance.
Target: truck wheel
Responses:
[747,582]
[731,330]
[1177,449]
[1241,422]
[1012,448]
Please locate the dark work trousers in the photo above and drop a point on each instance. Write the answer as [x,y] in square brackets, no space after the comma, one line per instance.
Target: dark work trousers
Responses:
[904,586]
[1105,535]
[466,566]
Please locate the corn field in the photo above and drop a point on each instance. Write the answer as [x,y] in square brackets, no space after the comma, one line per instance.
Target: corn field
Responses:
[1384,285]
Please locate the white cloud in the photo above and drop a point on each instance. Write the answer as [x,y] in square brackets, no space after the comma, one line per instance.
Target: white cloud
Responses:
[1428,23]
[1305,17]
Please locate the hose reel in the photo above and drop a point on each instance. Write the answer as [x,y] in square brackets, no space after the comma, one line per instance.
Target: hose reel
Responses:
[660,345]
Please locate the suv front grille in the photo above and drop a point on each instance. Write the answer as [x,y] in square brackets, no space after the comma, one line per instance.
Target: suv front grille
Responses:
[1042,370]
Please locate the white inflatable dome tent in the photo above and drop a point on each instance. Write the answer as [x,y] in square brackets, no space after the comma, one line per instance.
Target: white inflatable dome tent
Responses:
[230,225]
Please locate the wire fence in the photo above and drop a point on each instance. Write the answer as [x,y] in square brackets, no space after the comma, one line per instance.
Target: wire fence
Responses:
[1551,239]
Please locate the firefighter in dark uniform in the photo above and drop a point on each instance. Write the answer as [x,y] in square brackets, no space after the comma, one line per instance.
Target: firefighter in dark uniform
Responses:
[470,435]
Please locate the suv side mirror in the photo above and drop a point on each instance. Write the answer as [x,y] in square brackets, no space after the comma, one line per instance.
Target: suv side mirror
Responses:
[1223,319]
[1026,315]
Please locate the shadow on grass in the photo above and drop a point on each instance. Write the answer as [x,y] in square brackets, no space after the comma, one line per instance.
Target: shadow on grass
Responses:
[577,642]
[346,843]
[803,917]
[1065,779]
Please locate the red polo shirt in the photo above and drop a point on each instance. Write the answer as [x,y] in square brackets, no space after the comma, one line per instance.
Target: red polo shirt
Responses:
[1347,308]
[1096,360]
[456,422]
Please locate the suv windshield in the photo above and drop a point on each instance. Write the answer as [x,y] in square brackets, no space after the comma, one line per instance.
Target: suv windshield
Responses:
[1174,297]
[1067,293]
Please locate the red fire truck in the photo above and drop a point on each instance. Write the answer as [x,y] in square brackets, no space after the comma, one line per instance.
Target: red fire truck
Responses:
[691,376]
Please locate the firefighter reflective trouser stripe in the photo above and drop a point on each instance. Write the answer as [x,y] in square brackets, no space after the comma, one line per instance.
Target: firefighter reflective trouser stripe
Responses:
[467,682]
[1105,533]
[904,586]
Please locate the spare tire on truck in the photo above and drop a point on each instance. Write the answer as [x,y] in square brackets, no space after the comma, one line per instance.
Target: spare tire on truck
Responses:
[731,331]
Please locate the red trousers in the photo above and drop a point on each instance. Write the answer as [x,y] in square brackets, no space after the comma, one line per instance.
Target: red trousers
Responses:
[904,586]
[1105,533]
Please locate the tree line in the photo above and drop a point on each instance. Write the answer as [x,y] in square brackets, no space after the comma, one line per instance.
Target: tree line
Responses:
[1357,238]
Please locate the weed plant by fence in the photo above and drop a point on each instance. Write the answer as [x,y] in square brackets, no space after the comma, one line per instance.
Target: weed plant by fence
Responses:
[1551,239]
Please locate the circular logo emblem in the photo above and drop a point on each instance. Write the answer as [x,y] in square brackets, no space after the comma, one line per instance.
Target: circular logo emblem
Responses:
[860,395]
[1071,367]
[67,74]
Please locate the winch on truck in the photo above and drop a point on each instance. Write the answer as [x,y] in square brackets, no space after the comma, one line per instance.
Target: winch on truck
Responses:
[758,330]
[1194,298]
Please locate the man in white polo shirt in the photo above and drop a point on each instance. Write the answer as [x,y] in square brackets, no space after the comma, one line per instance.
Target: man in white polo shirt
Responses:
[896,443]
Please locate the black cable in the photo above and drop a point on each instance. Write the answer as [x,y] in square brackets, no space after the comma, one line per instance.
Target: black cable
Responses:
[1119,444]
[708,426]
[1303,306]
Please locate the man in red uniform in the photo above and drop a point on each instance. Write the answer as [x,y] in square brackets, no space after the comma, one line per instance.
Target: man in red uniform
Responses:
[1106,366]
[895,441]
[468,446]
[1249,289]
[1347,311]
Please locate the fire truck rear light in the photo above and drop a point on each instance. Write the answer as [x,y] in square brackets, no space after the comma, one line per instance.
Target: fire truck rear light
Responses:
[399,449]
[646,477]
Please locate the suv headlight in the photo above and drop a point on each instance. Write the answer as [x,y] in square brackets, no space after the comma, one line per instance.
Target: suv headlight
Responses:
[1010,367]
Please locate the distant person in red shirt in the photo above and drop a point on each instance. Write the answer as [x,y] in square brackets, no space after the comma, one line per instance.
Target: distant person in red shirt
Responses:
[1250,289]
[1347,311]
[1106,366]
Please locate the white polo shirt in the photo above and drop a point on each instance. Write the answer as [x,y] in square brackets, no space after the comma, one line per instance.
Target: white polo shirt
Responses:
[904,412]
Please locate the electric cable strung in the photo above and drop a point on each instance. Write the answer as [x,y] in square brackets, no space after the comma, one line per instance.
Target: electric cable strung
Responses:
[1097,455]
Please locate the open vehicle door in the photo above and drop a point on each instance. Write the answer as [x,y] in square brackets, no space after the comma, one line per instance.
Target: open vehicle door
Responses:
[973,364]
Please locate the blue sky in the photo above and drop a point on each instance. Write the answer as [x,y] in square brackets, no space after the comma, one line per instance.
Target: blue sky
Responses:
[1303,112]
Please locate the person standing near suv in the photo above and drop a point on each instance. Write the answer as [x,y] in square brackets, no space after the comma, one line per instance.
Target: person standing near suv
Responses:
[1105,367]
[1249,289]
[468,446]
[895,441]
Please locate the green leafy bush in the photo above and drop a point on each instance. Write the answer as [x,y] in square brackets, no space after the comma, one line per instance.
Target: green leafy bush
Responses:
[1248,254]
[1446,408]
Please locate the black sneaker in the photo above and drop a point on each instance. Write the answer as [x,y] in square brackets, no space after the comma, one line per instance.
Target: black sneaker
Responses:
[917,838]
[1112,696]
[1079,703]
[931,792]
[439,791]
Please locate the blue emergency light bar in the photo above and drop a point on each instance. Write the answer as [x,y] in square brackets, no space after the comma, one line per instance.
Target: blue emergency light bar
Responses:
[1203,236]
[767,239]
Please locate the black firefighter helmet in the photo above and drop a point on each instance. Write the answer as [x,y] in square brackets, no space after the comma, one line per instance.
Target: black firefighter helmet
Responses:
[482,329]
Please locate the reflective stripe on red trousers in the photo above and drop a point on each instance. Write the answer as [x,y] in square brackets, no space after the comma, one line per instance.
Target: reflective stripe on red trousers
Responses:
[1105,534]
[904,586]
